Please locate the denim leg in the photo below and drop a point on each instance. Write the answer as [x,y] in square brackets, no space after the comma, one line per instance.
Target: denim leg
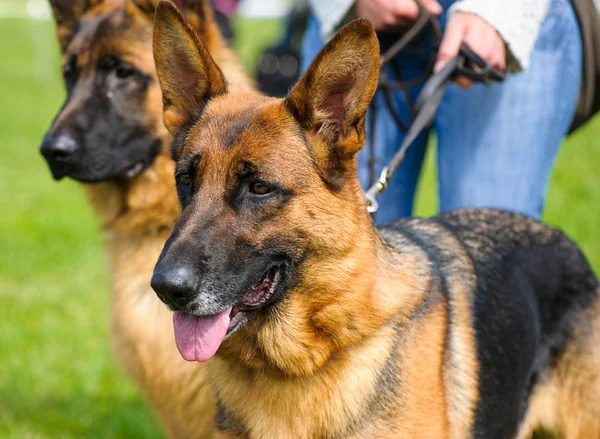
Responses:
[311,43]
[397,201]
[497,144]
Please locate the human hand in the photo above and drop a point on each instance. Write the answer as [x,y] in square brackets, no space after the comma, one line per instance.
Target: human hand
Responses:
[476,33]
[391,14]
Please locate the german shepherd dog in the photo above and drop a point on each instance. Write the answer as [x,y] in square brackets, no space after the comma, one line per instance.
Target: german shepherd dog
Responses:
[109,135]
[473,324]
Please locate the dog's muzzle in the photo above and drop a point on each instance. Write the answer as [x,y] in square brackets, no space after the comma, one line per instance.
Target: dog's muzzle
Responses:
[58,150]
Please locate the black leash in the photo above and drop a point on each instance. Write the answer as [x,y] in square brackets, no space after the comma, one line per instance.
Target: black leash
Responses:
[467,63]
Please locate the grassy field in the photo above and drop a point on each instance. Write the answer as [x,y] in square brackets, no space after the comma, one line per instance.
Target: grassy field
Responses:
[57,375]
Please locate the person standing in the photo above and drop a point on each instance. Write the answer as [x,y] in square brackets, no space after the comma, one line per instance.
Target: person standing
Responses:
[496,143]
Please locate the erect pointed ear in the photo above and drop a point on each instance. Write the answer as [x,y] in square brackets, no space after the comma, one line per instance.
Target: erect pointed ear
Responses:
[187,73]
[66,14]
[332,97]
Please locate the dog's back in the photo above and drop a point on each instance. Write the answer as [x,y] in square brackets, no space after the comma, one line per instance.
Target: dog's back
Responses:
[524,340]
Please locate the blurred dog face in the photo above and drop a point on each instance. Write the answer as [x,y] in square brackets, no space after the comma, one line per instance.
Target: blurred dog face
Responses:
[108,127]
[268,189]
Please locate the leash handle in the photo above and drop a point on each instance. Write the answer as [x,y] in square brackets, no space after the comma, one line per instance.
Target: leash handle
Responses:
[474,67]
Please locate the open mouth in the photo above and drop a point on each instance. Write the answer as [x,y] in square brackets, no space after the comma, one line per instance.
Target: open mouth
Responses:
[255,298]
[199,337]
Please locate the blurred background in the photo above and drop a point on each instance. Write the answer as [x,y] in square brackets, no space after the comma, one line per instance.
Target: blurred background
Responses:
[57,375]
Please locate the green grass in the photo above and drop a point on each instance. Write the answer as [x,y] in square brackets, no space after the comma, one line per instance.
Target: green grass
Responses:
[57,374]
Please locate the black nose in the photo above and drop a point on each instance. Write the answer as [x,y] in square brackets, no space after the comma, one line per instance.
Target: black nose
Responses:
[175,286]
[57,148]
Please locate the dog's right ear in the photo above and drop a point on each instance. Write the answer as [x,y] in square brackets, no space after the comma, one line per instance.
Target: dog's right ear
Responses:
[331,99]
[188,75]
[66,14]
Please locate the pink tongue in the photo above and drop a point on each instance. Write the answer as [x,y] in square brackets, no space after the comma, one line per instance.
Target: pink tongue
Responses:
[199,337]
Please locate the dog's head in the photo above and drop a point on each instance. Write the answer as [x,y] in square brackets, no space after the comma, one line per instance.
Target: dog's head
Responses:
[110,125]
[272,209]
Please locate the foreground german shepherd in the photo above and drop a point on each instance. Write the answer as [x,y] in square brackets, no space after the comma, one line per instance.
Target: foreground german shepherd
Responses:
[110,133]
[473,324]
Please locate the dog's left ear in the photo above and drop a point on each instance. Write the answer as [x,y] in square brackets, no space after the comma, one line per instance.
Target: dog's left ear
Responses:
[188,75]
[332,97]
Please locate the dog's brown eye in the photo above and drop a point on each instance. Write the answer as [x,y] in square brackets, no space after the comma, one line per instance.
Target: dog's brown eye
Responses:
[124,72]
[108,62]
[259,188]
[185,179]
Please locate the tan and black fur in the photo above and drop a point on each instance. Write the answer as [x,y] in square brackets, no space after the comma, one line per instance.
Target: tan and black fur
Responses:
[473,324]
[109,134]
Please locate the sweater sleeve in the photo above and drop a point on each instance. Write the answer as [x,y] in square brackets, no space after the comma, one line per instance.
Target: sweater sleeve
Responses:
[330,14]
[517,21]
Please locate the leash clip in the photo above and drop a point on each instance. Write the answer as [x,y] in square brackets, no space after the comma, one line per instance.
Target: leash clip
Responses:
[376,189]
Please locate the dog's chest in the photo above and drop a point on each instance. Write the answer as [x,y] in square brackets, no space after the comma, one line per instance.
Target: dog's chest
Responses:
[381,392]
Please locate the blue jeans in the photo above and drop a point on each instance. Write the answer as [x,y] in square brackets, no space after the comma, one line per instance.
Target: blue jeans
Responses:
[496,144]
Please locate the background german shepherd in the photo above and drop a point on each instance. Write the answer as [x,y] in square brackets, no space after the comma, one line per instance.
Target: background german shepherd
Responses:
[472,324]
[109,134]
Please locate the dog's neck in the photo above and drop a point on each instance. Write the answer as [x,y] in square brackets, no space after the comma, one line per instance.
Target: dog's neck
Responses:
[143,206]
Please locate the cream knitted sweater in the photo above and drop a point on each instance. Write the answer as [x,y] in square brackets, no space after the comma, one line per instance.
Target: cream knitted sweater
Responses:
[517,21]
